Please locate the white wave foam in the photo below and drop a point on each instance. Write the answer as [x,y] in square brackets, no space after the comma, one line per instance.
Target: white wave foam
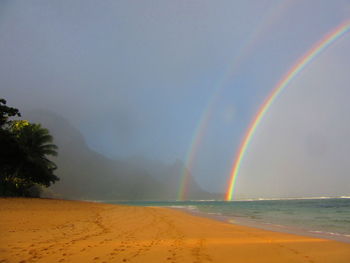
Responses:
[293,198]
[188,207]
[210,200]
[212,213]
[328,233]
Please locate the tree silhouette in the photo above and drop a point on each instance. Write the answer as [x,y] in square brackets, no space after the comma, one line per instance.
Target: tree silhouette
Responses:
[24,152]
[6,112]
[35,143]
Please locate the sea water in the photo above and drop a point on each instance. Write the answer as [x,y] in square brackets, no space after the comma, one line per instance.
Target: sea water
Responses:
[322,217]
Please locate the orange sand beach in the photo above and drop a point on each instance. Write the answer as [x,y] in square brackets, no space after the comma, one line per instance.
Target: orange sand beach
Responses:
[44,230]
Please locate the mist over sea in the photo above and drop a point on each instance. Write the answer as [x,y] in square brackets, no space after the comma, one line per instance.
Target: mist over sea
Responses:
[320,217]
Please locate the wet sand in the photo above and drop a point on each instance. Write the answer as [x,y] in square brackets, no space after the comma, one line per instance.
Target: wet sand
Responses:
[43,230]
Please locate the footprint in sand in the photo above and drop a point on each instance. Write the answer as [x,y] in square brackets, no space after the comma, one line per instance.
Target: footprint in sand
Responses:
[308,259]
[294,251]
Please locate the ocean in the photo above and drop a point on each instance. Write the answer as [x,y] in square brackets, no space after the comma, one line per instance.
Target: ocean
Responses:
[319,217]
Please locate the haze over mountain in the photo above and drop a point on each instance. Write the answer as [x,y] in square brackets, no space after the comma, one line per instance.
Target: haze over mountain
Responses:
[86,174]
[167,80]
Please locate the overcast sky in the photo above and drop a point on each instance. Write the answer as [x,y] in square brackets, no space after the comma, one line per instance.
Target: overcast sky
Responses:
[136,77]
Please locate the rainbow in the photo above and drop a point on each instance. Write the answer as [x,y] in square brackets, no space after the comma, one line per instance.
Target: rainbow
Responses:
[274,14]
[325,42]
[190,158]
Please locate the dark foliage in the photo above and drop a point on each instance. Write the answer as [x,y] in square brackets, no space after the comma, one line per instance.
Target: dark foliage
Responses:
[6,112]
[24,148]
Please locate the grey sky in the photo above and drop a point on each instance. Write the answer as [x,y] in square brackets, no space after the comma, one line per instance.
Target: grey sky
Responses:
[135,78]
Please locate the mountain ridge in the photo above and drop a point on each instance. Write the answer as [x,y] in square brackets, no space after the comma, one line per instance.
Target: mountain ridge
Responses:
[87,174]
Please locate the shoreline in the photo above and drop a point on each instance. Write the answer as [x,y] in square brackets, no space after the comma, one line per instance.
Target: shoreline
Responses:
[308,227]
[242,221]
[51,230]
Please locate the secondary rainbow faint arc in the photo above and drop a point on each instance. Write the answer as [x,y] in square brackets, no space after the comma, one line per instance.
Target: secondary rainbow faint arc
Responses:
[283,83]
[270,19]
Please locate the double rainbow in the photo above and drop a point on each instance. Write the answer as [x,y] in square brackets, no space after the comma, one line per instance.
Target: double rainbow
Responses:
[325,42]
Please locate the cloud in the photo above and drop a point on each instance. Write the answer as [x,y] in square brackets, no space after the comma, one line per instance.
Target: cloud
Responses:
[135,77]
